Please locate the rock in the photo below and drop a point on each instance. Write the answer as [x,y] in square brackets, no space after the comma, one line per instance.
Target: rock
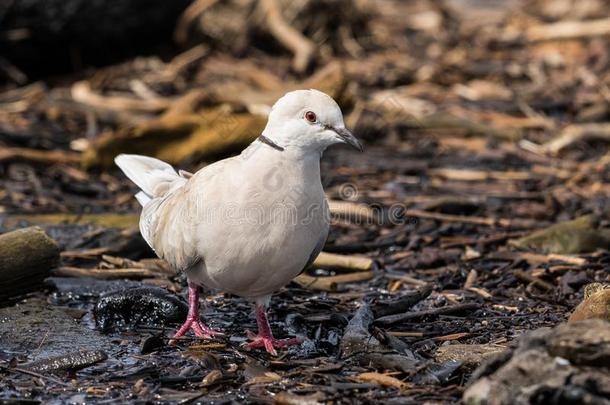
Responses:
[27,256]
[580,235]
[596,304]
[358,343]
[471,356]
[357,337]
[567,364]
[130,307]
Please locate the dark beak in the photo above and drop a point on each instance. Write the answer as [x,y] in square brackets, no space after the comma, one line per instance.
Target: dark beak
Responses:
[348,137]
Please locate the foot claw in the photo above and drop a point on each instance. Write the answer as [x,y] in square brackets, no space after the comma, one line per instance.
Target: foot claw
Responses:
[269,343]
[198,328]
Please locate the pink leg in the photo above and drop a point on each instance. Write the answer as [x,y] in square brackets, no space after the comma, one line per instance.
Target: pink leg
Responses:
[265,337]
[192,319]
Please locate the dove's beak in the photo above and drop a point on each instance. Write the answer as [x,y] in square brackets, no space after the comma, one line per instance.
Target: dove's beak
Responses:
[347,137]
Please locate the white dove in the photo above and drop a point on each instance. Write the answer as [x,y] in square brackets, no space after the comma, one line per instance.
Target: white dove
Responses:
[248,224]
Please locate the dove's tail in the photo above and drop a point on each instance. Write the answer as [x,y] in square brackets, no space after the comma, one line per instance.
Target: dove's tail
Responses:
[154,177]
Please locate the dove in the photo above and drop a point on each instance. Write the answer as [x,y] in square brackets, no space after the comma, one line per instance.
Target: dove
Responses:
[246,225]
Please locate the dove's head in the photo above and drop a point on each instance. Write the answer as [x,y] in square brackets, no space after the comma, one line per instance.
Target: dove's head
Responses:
[307,120]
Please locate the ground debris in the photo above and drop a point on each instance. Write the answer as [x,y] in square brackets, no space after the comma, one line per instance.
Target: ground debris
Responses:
[476,214]
[139,306]
[549,365]
[67,362]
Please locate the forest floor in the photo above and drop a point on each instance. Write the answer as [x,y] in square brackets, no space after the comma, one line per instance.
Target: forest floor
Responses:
[478,142]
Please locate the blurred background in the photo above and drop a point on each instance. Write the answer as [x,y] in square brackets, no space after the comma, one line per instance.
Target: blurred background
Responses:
[484,186]
[192,81]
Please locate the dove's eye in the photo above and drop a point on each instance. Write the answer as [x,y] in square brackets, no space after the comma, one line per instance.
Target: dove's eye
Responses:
[311,116]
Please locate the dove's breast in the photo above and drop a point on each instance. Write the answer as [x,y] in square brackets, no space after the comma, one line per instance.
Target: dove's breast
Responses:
[261,228]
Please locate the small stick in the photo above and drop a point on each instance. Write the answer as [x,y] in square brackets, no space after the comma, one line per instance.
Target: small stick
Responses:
[47,157]
[405,279]
[104,274]
[330,283]
[502,222]
[391,319]
[193,11]
[569,30]
[521,275]
[470,279]
[292,39]
[405,334]
[577,132]
[358,212]
[483,293]
[453,336]
[335,261]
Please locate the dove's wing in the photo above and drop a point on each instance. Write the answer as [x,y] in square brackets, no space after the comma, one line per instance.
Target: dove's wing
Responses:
[171,221]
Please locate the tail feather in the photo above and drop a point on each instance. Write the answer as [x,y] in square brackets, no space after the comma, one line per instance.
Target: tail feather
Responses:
[154,177]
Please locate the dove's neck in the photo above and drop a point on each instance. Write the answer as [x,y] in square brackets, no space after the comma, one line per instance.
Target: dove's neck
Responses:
[295,163]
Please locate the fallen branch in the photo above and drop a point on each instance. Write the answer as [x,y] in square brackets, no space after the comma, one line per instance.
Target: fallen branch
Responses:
[188,16]
[577,132]
[523,276]
[302,48]
[48,157]
[82,93]
[104,274]
[569,30]
[453,309]
[466,219]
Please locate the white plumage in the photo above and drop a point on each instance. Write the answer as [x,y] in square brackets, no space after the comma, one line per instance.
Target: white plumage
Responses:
[248,224]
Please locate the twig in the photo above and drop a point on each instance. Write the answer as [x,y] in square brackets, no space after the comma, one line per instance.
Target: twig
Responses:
[193,11]
[391,319]
[302,48]
[470,279]
[577,132]
[335,261]
[82,93]
[568,30]
[357,212]
[38,156]
[502,222]
[330,283]
[521,275]
[104,274]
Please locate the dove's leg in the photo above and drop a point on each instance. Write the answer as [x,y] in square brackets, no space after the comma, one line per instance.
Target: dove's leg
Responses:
[265,337]
[192,319]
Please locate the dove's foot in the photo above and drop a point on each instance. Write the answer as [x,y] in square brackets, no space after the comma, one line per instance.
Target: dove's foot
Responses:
[265,337]
[270,343]
[192,320]
[198,327]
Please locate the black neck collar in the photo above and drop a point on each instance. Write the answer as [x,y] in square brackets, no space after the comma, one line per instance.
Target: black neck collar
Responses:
[269,142]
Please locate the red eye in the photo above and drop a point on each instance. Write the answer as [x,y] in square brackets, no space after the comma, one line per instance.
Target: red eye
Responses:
[310,116]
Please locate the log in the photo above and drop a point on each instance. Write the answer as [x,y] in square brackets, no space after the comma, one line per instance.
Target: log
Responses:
[26,258]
